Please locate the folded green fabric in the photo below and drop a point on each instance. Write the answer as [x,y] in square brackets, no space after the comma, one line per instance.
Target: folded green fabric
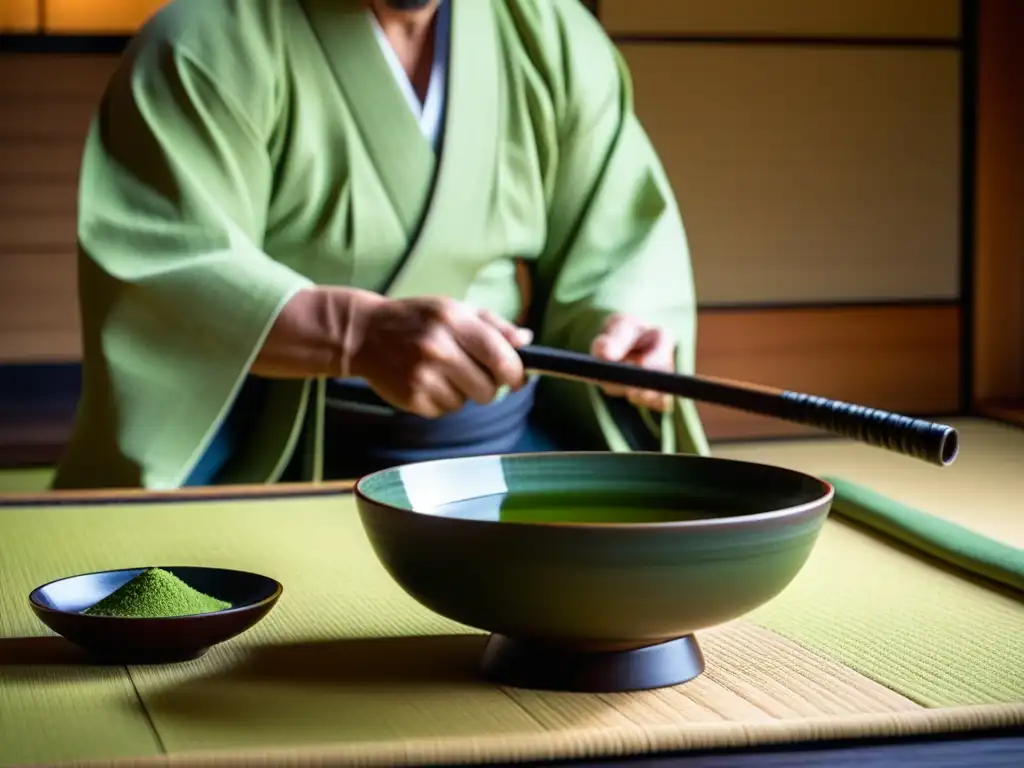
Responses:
[939,538]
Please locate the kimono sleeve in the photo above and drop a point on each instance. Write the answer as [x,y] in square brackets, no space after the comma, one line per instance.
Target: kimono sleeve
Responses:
[176,294]
[616,239]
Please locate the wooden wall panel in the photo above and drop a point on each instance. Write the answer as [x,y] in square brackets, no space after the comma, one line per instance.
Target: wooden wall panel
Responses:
[97,17]
[39,307]
[809,174]
[999,235]
[19,16]
[39,158]
[44,76]
[37,196]
[46,103]
[32,232]
[44,117]
[900,358]
[826,18]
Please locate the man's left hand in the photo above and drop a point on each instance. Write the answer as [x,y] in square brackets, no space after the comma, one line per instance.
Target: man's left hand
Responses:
[625,340]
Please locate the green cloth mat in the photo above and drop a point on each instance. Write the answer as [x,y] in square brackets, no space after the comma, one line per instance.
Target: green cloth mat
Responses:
[942,539]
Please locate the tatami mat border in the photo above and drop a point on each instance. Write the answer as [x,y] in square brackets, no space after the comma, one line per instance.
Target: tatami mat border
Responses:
[601,742]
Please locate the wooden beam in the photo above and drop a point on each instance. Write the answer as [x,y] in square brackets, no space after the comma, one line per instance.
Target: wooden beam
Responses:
[998,274]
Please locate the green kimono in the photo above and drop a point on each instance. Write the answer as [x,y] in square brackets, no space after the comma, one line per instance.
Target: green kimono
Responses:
[247,149]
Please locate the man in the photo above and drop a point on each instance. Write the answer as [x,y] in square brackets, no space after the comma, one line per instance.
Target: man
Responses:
[312,233]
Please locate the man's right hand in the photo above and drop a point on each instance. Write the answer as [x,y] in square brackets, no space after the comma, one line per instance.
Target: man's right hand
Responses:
[429,356]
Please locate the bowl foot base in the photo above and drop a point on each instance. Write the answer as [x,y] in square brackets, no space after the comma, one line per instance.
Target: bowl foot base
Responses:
[523,664]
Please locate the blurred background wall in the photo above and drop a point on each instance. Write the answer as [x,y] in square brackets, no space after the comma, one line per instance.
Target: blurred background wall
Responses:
[823,154]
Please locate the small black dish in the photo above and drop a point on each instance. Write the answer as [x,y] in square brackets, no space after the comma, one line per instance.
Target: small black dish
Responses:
[59,605]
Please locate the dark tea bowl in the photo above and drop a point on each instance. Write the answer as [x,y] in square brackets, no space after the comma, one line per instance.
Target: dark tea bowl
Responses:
[59,605]
[592,571]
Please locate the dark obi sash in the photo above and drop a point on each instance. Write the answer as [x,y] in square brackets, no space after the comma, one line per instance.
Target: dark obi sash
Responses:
[363,433]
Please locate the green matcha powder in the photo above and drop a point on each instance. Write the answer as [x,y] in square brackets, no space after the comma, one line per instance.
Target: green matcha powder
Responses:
[155,594]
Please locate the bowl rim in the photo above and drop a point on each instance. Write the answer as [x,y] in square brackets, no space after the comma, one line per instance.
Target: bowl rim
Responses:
[690,525]
[269,600]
